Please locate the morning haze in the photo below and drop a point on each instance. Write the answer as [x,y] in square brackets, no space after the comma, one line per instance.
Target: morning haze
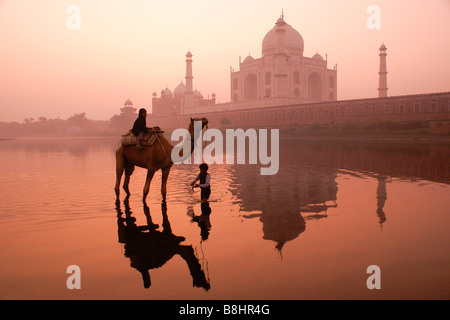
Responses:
[123,50]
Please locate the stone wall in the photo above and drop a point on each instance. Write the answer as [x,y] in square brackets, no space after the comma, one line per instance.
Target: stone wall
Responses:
[432,106]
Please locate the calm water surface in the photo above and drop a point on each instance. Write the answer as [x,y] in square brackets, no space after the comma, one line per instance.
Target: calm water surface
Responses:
[309,232]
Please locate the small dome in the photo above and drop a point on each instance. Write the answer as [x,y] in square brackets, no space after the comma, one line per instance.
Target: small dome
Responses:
[317,56]
[180,89]
[249,59]
[189,54]
[280,22]
[128,102]
[197,94]
[383,47]
[166,93]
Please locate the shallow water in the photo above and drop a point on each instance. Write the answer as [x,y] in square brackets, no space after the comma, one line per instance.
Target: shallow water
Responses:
[309,232]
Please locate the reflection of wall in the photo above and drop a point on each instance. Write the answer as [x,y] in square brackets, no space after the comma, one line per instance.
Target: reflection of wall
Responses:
[291,188]
[412,160]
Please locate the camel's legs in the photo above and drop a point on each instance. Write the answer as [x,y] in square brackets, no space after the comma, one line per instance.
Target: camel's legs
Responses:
[165,175]
[128,172]
[119,170]
[118,178]
[150,173]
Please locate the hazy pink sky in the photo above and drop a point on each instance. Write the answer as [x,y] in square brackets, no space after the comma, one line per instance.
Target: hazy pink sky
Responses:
[129,49]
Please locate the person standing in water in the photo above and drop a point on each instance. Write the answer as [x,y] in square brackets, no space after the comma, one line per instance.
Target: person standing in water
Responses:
[204,182]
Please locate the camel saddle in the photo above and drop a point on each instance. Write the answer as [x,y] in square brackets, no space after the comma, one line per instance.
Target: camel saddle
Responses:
[149,138]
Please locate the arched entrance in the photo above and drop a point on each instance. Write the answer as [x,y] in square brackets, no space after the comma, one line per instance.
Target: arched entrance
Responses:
[250,87]
[315,90]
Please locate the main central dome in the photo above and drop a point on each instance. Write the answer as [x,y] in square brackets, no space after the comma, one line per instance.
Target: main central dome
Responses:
[293,41]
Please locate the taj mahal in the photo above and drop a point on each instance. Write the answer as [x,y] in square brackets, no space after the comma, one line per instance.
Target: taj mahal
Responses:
[283,87]
[281,76]
[283,71]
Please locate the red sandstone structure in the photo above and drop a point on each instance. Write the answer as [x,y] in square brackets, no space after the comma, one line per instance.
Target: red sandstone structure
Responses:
[430,107]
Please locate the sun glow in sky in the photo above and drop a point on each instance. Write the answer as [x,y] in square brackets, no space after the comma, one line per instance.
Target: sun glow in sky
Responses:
[130,49]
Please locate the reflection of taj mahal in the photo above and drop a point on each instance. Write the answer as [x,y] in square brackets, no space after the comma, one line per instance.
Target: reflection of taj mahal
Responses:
[281,76]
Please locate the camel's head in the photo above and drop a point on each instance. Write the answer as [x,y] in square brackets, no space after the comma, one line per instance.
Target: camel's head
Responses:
[203,120]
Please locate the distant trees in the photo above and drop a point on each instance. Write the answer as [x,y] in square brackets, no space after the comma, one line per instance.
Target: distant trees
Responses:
[78,120]
[77,124]
[123,122]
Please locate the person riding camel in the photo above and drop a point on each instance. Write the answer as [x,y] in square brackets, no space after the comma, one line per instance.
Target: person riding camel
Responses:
[140,127]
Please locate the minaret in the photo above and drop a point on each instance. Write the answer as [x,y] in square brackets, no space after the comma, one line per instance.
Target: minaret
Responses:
[382,86]
[189,93]
[189,77]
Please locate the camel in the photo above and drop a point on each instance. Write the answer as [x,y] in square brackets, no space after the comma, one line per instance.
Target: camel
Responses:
[154,157]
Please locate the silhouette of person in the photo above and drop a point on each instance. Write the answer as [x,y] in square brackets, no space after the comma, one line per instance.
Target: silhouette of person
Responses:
[147,248]
[204,183]
[140,127]
[203,220]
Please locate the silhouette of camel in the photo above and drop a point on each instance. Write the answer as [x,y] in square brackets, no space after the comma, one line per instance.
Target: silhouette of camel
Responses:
[147,248]
[151,157]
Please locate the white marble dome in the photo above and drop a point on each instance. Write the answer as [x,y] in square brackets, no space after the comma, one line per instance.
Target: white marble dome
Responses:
[293,41]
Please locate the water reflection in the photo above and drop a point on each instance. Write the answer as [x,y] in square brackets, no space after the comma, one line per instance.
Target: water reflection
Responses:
[74,146]
[326,192]
[202,220]
[148,248]
[286,200]
[381,199]
[400,159]
[305,187]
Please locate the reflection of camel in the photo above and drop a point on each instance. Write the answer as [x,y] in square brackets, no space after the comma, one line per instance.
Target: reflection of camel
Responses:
[154,157]
[148,248]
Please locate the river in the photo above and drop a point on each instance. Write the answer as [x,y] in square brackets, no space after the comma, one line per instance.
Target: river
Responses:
[311,231]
